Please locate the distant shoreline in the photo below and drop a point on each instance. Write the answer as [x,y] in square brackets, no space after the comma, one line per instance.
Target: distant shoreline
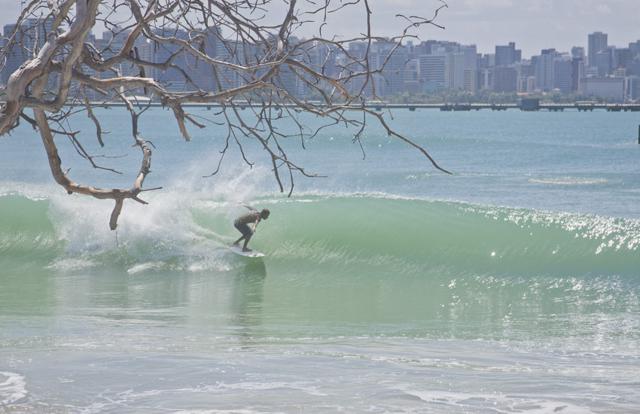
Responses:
[529,105]
[553,107]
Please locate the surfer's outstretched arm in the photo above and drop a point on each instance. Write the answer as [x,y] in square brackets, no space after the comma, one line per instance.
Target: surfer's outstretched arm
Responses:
[248,207]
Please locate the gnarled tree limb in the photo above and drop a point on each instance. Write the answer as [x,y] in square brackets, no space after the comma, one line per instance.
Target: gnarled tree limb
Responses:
[222,51]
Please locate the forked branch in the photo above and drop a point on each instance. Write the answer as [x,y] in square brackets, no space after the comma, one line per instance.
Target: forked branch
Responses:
[234,53]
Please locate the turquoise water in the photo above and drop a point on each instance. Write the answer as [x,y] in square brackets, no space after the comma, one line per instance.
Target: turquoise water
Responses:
[510,287]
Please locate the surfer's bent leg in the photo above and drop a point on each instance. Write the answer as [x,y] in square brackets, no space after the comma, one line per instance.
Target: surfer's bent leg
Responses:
[241,237]
[246,234]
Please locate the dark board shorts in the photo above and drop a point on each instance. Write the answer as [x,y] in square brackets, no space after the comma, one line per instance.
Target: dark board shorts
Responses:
[243,228]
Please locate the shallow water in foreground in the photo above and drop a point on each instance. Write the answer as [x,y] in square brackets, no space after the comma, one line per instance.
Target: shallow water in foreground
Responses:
[512,287]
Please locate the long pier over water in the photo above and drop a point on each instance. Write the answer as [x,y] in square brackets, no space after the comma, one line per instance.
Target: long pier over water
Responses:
[380,106]
[526,105]
[503,107]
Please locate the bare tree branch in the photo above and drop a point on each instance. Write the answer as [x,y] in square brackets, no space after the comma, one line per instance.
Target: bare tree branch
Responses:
[234,53]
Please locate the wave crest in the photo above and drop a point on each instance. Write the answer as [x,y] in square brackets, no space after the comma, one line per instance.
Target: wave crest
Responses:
[189,232]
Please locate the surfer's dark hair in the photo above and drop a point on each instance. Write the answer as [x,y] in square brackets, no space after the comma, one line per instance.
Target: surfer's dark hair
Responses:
[265,213]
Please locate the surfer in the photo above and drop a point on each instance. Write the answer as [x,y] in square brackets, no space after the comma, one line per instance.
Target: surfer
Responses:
[242,224]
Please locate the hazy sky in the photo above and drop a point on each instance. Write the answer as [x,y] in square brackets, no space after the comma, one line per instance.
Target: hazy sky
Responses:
[532,24]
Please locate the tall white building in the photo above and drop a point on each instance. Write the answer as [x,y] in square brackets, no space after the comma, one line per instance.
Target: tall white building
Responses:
[455,71]
[470,68]
[449,66]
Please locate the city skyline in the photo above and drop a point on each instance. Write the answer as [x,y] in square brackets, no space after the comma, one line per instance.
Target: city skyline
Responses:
[533,25]
[600,70]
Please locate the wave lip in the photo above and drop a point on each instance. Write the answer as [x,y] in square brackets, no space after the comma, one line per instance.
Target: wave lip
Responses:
[13,388]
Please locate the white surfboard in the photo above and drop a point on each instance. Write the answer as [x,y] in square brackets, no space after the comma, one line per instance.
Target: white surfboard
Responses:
[238,250]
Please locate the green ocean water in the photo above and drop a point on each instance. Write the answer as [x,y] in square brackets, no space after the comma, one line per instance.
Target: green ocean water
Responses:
[512,286]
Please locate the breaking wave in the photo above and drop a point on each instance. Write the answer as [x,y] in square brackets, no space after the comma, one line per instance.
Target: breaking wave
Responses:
[189,231]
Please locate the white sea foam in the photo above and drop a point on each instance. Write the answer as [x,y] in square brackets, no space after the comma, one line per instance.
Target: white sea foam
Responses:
[497,402]
[239,411]
[13,388]
[165,227]
[130,397]
[264,386]
[379,195]
[208,264]
[568,181]
[34,192]
[143,267]
[70,264]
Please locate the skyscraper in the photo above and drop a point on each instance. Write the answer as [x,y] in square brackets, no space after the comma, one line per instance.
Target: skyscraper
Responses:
[622,58]
[563,73]
[470,67]
[577,73]
[507,55]
[393,59]
[634,47]
[455,71]
[505,79]
[433,72]
[597,43]
[544,69]
[30,37]
[603,60]
[577,52]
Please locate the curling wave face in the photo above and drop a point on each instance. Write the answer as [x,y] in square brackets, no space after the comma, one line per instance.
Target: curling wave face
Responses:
[403,234]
